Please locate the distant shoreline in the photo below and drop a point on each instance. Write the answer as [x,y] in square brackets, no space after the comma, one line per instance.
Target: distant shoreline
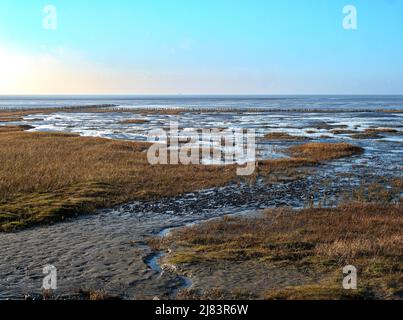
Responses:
[119,108]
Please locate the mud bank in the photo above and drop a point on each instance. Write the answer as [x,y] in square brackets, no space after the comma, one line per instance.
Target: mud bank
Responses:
[103,252]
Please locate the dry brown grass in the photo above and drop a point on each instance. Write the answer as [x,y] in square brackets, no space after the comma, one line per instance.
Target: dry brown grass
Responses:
[283,136]
[381,130]
[268,166]
[324,151]
[398,183]
[5,129]
[46,177]
[92,295]
[306,155]
[19,114]
[316,292]
[366,235]
[134,121]
[366,135]
[25,112]
[10,119]
[342,131]
[390,111]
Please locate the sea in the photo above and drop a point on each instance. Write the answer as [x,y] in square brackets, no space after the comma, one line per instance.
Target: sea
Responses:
[291,102]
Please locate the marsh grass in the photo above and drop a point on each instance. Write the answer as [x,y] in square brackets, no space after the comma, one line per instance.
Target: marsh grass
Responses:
[47,177]
[342,131]
[81,294]
[385,192]
[283,136]
[5,129]
[324,151]
[10,119]
[381,130]
[367,135]
[134,121]
[94,295]
[366,235]
[305,156]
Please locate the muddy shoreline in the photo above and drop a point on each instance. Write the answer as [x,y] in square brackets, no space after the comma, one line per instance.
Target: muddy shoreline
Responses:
[108,251]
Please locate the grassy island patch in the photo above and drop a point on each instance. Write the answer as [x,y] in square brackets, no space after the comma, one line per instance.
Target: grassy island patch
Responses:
[381,130]
[325,151]
[134,121]
[291,254]
[367,135]
[283,136]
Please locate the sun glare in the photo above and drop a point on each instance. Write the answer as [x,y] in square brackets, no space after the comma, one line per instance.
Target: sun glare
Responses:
[14,68]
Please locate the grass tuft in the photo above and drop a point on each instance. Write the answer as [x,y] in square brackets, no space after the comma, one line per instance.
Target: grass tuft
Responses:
[325,151]
[283,136]
[316,241]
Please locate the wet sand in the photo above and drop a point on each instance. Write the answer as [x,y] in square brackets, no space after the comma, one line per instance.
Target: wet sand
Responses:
[102,252]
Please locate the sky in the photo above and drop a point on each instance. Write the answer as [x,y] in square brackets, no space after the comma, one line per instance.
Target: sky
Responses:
[200,47]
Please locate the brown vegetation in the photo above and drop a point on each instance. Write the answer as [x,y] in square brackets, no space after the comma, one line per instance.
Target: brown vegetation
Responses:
[134,121]
[366,135]
[398,183]
[312,244]
[342,131]
[4,129]
[10,119]
[93,295]
[25,112]
[324,151]
[46,177]
[283,136]
[303,156]
[381,130]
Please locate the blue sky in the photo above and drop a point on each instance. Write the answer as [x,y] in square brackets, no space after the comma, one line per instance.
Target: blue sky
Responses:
[201,47]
